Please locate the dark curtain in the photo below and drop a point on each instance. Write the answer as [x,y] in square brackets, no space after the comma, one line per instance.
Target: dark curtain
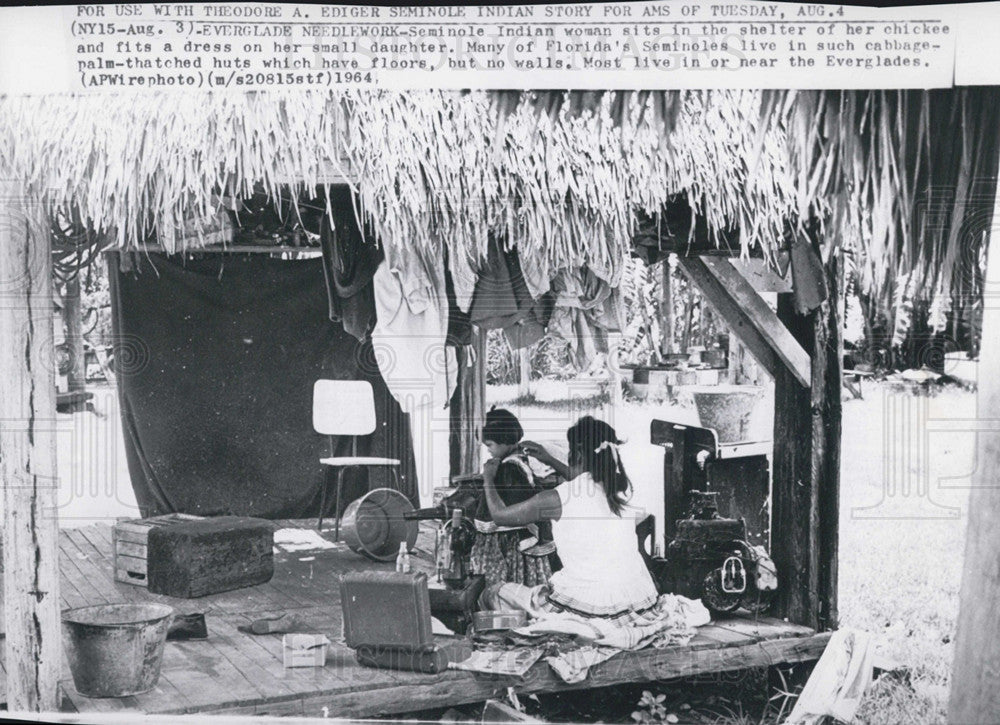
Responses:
[216,360]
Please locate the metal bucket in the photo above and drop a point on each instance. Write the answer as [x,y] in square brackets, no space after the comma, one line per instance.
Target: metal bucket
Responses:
[373,525]
[116,650]
[727,409]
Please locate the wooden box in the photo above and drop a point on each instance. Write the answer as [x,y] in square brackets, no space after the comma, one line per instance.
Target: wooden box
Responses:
[187,556]
[304,650]
[129,540]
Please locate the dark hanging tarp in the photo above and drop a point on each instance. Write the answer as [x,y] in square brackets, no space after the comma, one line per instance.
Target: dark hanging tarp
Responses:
[216,360]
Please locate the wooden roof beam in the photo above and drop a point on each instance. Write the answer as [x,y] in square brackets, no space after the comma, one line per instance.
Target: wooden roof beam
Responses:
[748,316]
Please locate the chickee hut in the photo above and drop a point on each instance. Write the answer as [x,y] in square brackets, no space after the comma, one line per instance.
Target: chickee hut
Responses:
[259,243]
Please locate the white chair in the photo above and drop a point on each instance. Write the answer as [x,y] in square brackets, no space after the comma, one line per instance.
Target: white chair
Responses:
[346,407]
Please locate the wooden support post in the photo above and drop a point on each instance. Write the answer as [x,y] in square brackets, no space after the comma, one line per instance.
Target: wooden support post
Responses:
[975,696]
[666,309]
[806,466]
[803,354]
[523,372]
[614,370]
[28,462]
[73,318]
[468,406]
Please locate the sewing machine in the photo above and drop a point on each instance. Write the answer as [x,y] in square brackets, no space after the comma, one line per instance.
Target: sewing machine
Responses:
[454,599]
[716,519]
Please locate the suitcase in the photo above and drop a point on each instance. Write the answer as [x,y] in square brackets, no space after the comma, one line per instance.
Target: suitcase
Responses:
[386,609]
[387,622]
[430,659]
[192,557]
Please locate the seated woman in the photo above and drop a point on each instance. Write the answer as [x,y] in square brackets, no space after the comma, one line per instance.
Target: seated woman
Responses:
[603,574]
[520,553]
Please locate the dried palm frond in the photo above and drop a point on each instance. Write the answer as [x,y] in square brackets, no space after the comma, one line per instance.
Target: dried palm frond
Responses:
[904,180]
[560,176]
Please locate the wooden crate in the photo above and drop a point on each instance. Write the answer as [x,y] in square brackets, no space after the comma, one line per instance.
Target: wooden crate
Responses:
[208,556]
[129,543]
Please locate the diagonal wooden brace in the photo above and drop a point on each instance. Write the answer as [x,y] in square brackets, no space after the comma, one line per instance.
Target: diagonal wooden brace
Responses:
[748,316]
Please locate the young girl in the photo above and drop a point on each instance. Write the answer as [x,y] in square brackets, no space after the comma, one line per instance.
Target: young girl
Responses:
[603,574]
[520,553]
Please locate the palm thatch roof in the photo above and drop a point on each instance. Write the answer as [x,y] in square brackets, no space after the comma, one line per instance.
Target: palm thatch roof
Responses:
[562,176]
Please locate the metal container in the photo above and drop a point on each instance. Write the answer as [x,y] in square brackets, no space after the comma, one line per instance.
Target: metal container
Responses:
[727,409]
[715,358]
[116,650]
[374,527]
[489,620]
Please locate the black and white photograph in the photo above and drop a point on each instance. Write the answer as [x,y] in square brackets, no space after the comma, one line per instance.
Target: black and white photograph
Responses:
[601,363]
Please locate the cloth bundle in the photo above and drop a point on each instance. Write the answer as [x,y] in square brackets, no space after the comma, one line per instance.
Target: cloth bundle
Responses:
[671,621]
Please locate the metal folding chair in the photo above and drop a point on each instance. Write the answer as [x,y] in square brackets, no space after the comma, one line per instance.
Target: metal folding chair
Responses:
[346,407]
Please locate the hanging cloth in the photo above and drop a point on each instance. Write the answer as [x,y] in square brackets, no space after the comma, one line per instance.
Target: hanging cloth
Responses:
[459,324]
[587,309]
[503,300]
[409,344]
[349,263]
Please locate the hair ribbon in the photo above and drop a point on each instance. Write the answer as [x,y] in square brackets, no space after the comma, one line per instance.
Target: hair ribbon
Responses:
[608,444]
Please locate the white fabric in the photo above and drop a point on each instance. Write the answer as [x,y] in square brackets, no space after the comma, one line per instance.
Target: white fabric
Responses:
[671,621]
[463,278]
[838,682]
[409,344]
[601,562]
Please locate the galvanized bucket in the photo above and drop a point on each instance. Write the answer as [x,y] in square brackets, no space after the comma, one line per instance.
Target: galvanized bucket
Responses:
[116,650]
[374,527]
[727,409]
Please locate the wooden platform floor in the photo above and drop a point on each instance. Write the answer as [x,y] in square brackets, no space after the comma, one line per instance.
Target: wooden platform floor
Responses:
[239,673]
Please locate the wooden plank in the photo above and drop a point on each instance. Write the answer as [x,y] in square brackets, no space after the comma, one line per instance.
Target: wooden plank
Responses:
[70,596]
[70,569]
[163,692]
[767,624]
[642,666]
[787,348]
[341,672]
[131,548]
[725,636]
[748,316]
[99,569]
[33,632]
[266,672]
[207,680]
[762,629]
[229,682]
[100,536]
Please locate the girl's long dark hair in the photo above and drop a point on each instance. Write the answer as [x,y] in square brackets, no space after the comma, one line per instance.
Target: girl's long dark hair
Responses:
[585,438]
